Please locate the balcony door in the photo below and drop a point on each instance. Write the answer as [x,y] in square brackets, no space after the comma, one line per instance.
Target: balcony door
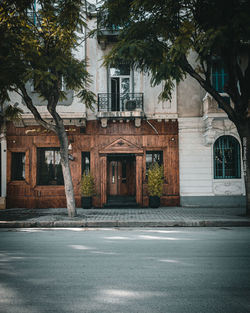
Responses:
[120,86]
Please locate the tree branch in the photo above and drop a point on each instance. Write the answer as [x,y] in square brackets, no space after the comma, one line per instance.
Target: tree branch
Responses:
[226,107]
[34,111]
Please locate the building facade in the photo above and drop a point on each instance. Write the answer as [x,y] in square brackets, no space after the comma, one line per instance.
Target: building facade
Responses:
[128,130]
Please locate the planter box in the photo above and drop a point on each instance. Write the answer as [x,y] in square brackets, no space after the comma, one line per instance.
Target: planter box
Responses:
[86,202]
[154,201]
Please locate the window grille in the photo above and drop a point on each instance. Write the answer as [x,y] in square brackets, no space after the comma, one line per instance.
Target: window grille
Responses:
[227,158]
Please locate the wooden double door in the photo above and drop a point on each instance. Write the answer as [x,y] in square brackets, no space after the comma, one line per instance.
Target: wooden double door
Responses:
[121,176]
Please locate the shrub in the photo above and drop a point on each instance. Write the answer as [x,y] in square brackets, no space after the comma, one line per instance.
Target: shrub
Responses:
[155,180]
[87,185]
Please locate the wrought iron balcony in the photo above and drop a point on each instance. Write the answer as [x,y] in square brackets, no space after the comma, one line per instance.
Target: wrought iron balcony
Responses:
[120,102]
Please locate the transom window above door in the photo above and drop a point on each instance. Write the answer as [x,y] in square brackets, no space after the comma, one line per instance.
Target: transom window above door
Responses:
[121,70]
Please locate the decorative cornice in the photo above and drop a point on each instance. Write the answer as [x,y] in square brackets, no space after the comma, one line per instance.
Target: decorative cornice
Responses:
[72,119]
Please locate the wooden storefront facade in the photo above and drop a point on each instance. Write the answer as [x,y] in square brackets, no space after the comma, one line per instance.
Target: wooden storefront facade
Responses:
[117,155]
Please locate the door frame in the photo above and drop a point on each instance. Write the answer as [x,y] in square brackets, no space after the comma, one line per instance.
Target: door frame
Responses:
[121,146]
[138,178]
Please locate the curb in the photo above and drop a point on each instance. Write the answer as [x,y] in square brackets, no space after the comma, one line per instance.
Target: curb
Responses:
[120,224]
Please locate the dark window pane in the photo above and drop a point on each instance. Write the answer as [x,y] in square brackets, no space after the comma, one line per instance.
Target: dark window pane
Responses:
[227,158]
[124,171]
[17,165]
[121,70]
[85,162]
[152,157]
[49,169]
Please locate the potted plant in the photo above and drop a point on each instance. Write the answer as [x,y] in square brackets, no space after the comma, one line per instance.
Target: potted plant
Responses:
[155,184]
[87,190]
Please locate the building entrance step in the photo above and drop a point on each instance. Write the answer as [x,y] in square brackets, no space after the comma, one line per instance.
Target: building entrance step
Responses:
[121,202]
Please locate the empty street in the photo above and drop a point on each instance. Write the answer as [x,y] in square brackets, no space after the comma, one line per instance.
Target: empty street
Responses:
[161,270]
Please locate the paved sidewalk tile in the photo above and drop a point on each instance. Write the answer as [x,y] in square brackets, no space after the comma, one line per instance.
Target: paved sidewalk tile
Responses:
[139,217]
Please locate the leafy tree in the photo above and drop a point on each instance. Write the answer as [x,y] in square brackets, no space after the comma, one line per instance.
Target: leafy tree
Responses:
[159,36]
[8,113]
[41,49]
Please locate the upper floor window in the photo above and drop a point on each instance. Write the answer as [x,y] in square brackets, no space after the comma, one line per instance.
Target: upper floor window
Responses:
[49,169]
[18,166]
[62,85]
[152,157]
[120,85]
[226,158]
[33,12]
[219,76]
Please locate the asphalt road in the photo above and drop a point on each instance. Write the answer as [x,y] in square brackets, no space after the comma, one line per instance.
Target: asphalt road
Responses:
[168,270]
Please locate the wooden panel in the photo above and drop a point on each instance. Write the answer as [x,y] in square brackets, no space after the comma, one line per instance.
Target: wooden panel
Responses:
[121,176]
[95,140]
[131,179]
[128,128]
[103,161]
[139,179]
[113,177]
[171,167]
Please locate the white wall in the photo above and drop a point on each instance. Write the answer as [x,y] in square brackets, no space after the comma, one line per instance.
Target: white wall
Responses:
[195,159]
[196,163]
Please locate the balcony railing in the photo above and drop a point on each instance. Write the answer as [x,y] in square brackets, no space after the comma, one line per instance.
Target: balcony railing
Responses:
[108,102]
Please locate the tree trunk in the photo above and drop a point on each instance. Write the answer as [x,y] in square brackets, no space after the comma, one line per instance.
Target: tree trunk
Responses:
[244,133]
[68,184]
[63,139]
[246,160]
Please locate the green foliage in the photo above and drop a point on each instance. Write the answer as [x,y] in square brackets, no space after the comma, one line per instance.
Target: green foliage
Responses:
[43,51]
[12,113]
[159,36]
[87,185]
[9,113]
[155,180]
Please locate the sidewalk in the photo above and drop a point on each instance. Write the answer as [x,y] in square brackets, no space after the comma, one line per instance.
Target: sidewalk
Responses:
[142,217]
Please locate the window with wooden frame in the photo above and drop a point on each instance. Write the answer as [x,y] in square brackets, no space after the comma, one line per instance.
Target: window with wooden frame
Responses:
[18,166]
[227,158]
[49,169]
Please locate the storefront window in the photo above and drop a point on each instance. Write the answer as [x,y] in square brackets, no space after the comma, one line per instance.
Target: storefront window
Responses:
[49,169]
